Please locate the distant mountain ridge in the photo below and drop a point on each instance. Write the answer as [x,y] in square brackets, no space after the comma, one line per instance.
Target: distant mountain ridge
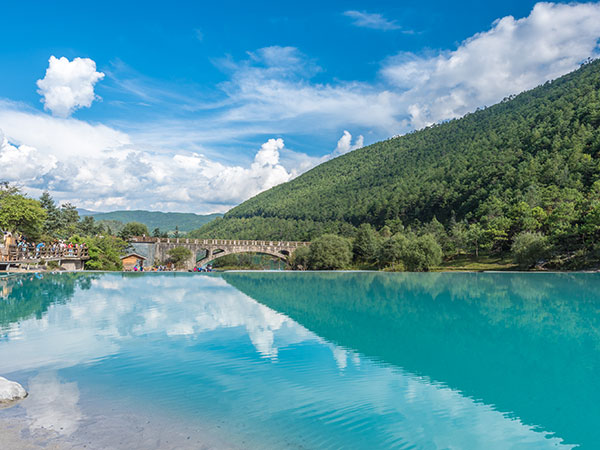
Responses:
[166,221]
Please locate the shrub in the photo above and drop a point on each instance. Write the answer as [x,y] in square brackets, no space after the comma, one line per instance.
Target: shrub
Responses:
[529,248]
[329,252]
[299,260]
[414,253]
[104,251]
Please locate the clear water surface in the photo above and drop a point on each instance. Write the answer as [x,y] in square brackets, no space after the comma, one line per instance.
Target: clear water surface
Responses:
[306,360]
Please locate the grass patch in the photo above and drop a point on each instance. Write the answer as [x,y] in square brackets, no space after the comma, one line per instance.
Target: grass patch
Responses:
[476,264]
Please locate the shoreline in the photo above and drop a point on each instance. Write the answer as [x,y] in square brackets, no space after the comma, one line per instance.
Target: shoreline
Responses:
[11,433]
[4,274]
[16,434]
[101,427]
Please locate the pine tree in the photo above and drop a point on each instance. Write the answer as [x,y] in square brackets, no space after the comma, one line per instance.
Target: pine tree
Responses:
[53,222]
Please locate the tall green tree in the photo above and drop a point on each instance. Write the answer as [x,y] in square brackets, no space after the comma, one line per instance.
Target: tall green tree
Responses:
[133,229]
[19,214]
[88,226]
[411,252]
[459,238]
[8,189]
[392,251]
[476,236]
[54,221]
[69,220]
[366,244]
[179,255]
[438,231]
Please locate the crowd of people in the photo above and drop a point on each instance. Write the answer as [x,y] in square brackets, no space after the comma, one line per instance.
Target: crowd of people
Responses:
[18,248]
[57,248]
[168,268]
[141,268]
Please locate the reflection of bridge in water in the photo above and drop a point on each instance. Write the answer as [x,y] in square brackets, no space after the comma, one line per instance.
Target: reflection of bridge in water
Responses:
[156,249]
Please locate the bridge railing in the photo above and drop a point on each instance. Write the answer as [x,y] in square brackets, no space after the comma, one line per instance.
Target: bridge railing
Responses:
[47,253]
[212,242]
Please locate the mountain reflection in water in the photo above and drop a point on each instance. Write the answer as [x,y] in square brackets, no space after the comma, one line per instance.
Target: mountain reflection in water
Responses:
[361,360]
[529,344]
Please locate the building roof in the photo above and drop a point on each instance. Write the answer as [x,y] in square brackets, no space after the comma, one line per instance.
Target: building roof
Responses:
[133,254]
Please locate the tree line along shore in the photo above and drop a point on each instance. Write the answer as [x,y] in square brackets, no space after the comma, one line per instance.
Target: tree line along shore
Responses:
[428,248]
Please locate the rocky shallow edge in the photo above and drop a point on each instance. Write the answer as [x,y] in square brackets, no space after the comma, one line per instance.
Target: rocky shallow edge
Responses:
[10,392]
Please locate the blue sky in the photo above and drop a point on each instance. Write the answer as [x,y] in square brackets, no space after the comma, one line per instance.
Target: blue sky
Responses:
[195,106]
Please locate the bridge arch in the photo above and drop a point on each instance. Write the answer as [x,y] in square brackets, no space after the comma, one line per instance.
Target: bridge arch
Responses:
[211,256]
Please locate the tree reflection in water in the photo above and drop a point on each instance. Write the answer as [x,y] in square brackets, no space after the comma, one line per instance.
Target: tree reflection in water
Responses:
[30,295]
[526,343]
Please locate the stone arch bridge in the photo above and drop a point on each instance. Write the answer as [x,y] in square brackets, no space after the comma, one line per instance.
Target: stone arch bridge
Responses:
[156,249]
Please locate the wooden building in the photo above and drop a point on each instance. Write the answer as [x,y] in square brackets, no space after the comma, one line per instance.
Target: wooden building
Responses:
[132,260]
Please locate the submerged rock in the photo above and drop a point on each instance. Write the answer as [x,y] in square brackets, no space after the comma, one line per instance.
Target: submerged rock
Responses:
[10,391]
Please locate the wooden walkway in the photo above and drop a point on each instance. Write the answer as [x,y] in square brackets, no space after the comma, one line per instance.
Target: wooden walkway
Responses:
[70,258]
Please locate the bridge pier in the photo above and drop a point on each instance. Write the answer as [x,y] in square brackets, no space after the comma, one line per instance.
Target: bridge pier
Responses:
[72,264]
[191,262]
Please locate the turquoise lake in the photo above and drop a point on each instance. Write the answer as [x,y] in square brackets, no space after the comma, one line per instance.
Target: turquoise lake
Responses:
[305,360]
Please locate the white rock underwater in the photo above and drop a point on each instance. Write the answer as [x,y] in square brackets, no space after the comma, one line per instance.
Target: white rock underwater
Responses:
[10,392]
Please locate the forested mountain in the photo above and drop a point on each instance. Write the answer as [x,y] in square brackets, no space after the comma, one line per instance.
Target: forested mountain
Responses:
[155,219]
[530,163]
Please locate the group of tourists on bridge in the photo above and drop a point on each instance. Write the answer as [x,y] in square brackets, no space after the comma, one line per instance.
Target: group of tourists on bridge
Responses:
[18,248]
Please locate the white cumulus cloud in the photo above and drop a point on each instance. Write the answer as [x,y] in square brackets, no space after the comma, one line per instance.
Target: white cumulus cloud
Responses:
[269,153]
[235,182]
[68,85]
[345,145]
[23,163]
[97,167]
[513,56]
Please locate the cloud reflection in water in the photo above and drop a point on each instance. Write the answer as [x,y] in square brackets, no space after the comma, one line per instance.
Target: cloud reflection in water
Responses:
[314,384]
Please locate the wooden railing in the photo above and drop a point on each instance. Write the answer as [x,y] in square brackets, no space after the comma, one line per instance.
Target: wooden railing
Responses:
[225,242]
[46,253]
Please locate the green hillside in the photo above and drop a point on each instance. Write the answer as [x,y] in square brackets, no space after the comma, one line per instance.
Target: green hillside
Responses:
[529,163]
[154,219]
